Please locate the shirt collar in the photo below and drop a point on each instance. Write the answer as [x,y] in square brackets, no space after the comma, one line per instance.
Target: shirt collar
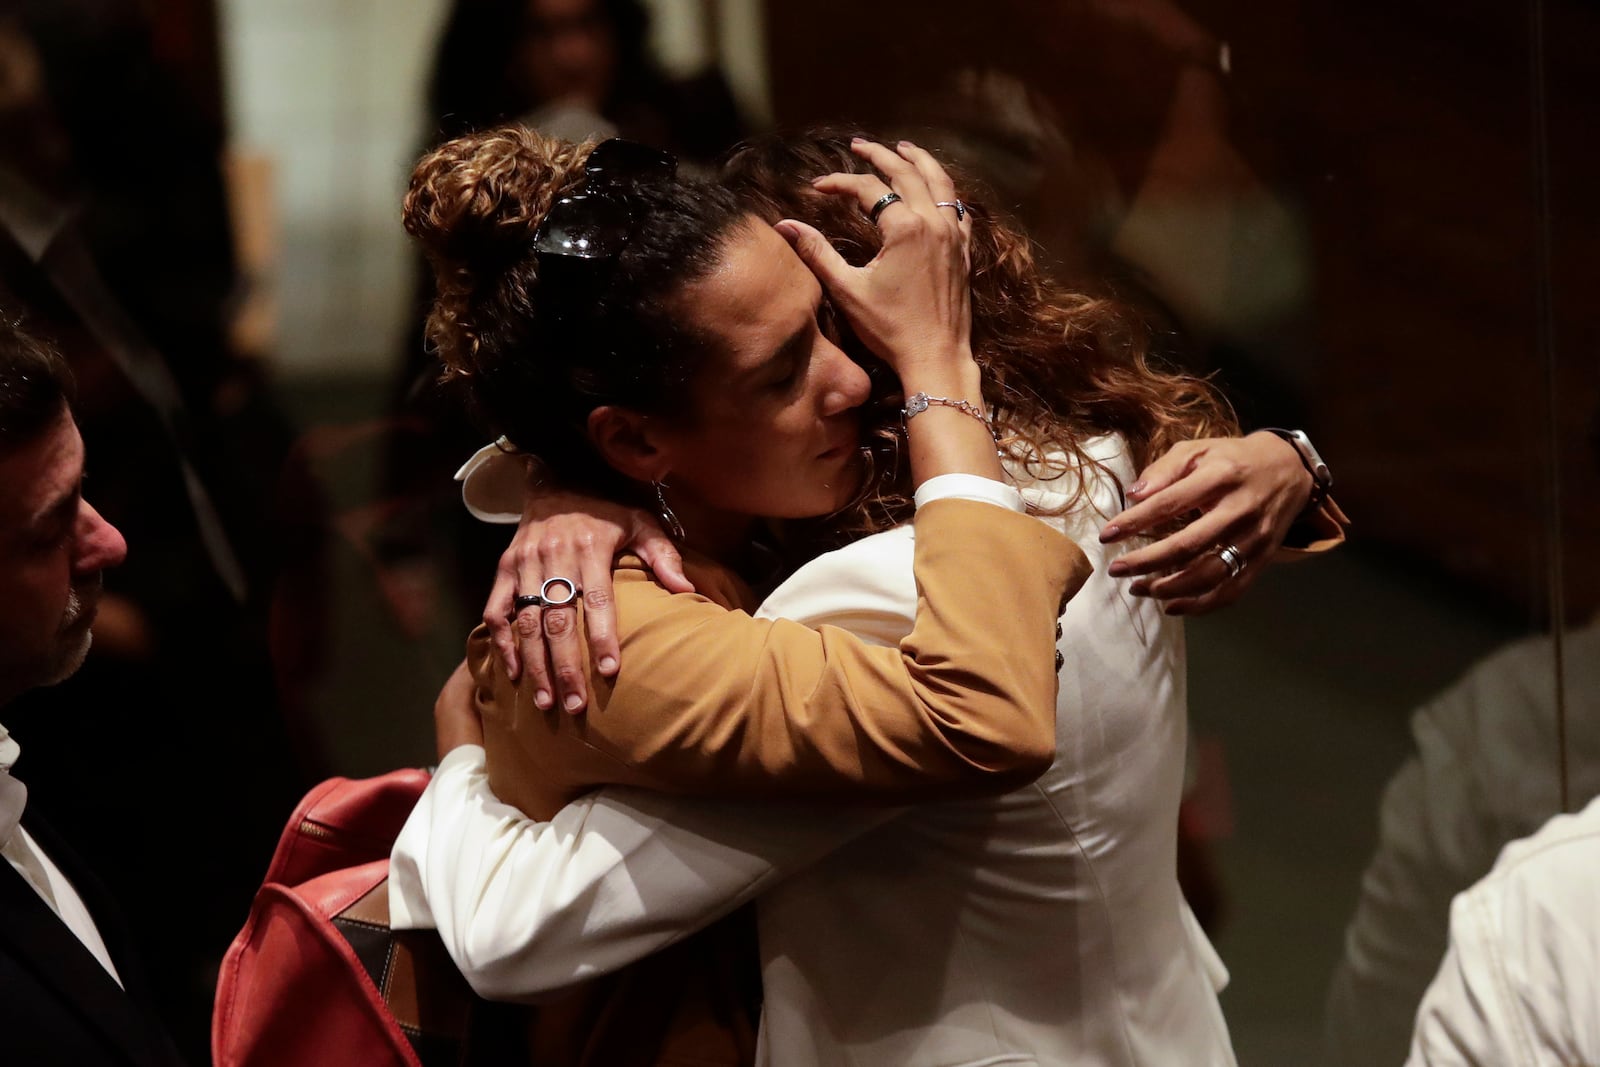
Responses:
[13,794]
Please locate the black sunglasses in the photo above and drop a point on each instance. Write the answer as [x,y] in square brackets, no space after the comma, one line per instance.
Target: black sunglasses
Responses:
[596,223]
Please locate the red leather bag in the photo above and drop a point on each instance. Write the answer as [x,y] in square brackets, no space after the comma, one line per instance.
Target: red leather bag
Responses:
[316,976]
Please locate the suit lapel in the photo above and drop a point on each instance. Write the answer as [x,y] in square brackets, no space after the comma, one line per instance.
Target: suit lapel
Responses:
[102,908]
[43,943]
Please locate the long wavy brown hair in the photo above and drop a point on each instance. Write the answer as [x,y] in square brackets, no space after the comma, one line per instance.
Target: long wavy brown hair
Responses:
[1060,367]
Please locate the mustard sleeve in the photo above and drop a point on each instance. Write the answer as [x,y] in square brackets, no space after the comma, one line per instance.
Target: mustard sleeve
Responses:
[1322,530]
[713,702]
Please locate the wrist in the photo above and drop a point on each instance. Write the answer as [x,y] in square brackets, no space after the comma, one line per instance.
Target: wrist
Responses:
[959,379]
[1310,461]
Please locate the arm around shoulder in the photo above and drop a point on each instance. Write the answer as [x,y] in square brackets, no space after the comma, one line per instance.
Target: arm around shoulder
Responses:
[713,702]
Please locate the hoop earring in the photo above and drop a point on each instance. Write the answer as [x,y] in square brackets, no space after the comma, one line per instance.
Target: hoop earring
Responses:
[668,519]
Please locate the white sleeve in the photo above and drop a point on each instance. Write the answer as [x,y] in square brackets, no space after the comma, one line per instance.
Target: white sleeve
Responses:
[968,487]
[528,908]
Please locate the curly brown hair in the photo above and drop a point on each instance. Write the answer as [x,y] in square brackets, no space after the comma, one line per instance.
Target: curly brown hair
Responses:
[1059,367]
[539,354]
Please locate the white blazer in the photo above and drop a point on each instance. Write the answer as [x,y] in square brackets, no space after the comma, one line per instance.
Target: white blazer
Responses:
[1045,926]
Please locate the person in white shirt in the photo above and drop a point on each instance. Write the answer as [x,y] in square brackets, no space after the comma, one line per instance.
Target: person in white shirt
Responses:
[70,991]
[1042,926]
[1521,979]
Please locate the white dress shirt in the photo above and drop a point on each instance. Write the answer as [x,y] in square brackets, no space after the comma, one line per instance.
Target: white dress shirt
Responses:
[25,856]
[1520,983]
[1045,926]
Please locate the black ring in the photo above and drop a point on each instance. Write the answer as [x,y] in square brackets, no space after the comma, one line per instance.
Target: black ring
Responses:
[883,201]
[526,600]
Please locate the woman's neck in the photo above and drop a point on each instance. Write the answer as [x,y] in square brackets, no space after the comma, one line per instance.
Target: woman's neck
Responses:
[720,535]
[741,543]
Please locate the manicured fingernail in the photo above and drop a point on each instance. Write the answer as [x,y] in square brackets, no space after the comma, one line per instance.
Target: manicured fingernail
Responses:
[1138,487]
[1173,609]
[907,144]
[1117,569]
[1139,589]
[573,702]
[608,664]
[1110,533]
[541,698]
[858,140]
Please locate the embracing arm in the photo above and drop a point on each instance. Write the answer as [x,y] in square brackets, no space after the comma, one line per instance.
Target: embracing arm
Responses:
[528,908]
[711,701]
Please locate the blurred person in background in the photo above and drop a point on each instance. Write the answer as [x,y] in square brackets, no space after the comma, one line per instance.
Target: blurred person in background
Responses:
[1520,981]
[573,69]
[1483,774]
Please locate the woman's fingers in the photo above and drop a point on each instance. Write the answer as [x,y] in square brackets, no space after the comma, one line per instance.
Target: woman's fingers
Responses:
[1197,489]
[1204,573]
[1178,548]
[1178,461]
[659,554]
[528,625]
[940,186]
[497,615]
[901,173]
[599,618]
[867,190]
[1170,489]
[562,566]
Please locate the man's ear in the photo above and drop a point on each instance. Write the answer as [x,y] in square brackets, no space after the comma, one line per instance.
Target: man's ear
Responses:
[628,442]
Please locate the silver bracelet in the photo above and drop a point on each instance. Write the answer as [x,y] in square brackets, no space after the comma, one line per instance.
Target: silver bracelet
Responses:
[917,403]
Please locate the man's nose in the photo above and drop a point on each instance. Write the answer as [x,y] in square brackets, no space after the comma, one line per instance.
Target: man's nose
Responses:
[100,545]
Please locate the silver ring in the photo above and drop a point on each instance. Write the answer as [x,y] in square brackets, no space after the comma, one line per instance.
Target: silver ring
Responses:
[877,209]
[1231,558]
[961,209]
[573,592]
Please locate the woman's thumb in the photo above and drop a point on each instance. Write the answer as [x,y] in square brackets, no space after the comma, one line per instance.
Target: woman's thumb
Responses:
[817,254]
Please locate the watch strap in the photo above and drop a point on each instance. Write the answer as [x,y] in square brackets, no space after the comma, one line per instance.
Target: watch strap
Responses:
[1311,459]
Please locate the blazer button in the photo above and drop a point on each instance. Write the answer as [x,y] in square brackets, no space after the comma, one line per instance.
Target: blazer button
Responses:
[1058,629]
[1060,659]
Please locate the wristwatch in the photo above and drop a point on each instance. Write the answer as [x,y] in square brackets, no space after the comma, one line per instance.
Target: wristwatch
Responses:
[1321,476]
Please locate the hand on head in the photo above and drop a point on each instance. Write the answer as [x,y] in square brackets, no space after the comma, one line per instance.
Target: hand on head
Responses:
[911,306]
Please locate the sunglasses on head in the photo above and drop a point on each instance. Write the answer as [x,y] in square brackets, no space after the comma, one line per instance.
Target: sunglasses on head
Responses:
[596,223]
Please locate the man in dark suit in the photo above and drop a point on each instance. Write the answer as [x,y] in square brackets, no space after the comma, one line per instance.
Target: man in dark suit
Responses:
[70,991]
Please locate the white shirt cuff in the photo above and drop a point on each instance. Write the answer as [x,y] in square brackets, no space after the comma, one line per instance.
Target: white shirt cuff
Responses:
[492,482]
[969,487]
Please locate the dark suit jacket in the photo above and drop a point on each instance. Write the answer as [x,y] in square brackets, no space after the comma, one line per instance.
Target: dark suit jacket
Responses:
[58,1006]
